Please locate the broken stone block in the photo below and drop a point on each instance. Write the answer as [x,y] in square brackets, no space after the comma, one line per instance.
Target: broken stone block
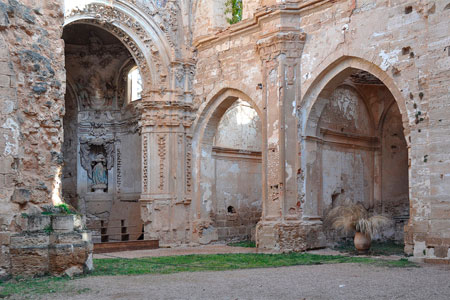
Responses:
[63,223]
[29,254]
[38,223]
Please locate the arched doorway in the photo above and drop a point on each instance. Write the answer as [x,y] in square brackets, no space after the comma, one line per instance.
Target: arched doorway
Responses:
[229,164]
[356,151]
[102,145]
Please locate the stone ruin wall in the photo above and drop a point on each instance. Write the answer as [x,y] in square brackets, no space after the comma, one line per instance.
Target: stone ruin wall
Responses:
[409,42]
[385,38]
[404,43]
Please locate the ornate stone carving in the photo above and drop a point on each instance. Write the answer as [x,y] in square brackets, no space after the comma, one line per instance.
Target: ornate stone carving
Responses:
[145,164]
[166,13]
[119,169]
[162,158]
[188,164]
[288,43]
[172,114]
[97,157]
[105,16]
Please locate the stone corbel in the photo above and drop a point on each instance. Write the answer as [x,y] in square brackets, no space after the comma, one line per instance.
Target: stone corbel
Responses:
[288,43]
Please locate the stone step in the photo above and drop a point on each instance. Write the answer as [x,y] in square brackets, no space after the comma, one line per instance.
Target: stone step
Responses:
[125,246]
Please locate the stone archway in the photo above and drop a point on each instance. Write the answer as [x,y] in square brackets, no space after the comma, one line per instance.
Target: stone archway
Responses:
[102,144]
[227,152]
[354,145]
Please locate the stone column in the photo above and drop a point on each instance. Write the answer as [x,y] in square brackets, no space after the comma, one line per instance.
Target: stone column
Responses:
[166,179]
[281,226]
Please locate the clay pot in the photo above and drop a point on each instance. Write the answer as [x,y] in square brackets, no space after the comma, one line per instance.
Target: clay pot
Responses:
[362,242]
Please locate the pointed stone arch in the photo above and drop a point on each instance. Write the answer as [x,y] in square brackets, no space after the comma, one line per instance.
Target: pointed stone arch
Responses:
[339,164]
[202,144]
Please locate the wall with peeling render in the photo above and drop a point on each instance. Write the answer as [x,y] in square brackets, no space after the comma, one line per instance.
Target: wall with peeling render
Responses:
[405,44]
[408,42]
[237,203]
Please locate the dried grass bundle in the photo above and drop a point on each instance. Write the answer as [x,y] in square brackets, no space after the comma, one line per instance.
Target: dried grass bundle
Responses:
[351,217]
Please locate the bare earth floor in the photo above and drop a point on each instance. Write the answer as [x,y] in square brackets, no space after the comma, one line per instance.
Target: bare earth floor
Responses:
[340,281]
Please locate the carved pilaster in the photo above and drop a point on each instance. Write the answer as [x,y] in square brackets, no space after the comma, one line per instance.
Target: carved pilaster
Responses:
[165,127]
[280,54]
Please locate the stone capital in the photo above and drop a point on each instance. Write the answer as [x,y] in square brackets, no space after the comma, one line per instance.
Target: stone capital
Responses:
[288,43]
[166,113]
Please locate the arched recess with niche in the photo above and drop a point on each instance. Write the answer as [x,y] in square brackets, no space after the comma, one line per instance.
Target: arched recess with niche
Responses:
[131,41]
[102,144]
[228,168]
[354,147]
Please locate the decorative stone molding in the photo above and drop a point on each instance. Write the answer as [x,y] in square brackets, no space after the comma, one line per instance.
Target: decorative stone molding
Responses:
[167,14]
[166,113]
[145,182]
[288,43]
[162,159]
[106,16]
[188,164]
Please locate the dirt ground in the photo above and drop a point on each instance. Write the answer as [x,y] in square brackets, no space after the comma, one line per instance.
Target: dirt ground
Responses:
[341,281]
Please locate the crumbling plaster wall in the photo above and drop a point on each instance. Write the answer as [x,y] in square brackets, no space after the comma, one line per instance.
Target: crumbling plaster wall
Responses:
[32,105]
[405,44]
[226,67]
[237,203]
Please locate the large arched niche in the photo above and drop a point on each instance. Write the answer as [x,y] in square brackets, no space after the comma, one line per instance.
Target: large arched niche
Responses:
[354,145]
[102,143]
[227,155]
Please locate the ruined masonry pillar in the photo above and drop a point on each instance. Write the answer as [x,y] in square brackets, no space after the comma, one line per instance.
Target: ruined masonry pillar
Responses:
[166,168]
[281,226]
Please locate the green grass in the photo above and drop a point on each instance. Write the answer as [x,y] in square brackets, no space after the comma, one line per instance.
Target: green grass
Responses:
[37,288]
[377,248]
[222,262]
[245,244]
[188,263]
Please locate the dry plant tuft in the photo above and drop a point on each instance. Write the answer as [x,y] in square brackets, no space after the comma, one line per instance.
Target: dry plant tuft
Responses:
[350,217]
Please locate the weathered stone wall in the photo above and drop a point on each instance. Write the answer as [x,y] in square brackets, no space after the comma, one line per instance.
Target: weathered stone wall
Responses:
[403,43]
[237,207]
[32,105]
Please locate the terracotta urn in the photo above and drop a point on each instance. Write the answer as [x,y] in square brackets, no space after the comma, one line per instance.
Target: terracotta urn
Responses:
[362,242]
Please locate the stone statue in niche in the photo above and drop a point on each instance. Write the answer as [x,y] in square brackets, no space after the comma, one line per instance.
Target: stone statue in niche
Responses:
[99,174]
[97,158]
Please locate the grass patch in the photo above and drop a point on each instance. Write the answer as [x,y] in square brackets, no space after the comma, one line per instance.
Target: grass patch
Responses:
[222,262]
[377,248]
[245,244]
[35,288]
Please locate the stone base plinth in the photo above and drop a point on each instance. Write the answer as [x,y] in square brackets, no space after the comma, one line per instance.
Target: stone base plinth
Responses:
[42,250]
[290,236]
